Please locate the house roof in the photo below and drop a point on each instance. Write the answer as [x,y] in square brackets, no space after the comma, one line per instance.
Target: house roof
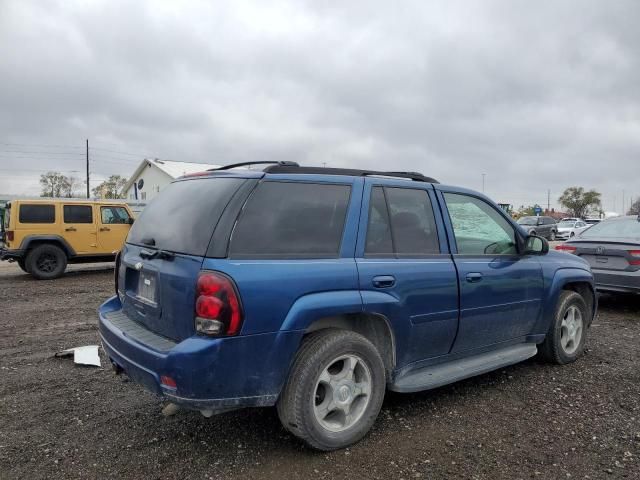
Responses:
[170,167]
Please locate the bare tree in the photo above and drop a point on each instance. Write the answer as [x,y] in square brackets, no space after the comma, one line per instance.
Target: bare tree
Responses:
[110,188]
[53,184]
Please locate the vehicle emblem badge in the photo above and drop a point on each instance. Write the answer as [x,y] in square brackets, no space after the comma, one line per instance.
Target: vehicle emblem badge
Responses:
[138,266]
[600,250]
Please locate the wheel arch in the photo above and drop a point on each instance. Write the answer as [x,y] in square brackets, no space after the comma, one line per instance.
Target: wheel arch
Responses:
[32,241]
[586,291]
[374,327]
[573,279]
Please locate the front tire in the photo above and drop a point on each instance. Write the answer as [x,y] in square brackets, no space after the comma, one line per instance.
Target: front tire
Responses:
[334,391]
[46,262]
[567,334]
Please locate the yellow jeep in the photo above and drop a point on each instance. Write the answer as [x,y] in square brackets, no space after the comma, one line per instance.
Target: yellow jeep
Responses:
[44,235]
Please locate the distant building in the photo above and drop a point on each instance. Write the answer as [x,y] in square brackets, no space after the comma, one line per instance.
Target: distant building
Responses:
[151,176]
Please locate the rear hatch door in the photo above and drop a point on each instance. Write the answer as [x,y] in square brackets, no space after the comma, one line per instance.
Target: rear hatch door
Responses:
[164,252]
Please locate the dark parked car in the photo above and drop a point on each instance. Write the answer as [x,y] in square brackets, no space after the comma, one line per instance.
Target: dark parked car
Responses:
[317,289]
[542,226]
[612,248]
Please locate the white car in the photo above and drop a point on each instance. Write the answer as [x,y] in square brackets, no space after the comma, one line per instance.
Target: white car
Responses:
[569,228]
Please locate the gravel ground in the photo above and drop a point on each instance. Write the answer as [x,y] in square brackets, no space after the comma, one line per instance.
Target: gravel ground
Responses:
[533,420]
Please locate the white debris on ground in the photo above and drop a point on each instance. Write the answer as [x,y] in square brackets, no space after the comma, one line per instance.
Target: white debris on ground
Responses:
[87,355]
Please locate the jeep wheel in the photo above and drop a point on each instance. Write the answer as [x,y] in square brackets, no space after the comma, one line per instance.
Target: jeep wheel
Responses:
[46,262]
[334,391]
[566,337]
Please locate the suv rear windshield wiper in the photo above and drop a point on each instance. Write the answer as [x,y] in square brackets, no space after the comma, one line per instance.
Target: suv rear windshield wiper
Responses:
[163,254]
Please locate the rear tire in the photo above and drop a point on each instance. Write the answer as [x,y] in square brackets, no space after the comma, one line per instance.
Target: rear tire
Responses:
[46,262]
[334,391]
[567,334]
[22,265]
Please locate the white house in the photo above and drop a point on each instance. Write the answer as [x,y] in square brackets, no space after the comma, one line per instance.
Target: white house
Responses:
[151,176]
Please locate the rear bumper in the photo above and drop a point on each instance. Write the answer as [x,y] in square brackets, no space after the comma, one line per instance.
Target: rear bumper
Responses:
[211,374]
[624,282]
[11,255]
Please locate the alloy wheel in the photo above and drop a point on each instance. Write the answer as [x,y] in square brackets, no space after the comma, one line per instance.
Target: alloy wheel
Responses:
[571,330]
[342,393]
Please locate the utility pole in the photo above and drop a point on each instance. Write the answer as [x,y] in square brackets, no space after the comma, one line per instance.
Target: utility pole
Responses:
[483,175]
[548,200]
[88,193]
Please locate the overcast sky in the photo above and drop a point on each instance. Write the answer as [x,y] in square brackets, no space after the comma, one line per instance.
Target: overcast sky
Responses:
[535,96]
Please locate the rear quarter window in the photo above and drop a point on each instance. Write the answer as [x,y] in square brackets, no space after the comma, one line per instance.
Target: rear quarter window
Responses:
[295,220]
[32,213]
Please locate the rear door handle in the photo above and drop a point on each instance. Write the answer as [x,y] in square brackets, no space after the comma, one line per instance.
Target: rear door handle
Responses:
[383,281]
[474,277]
[105,229]
[70,229]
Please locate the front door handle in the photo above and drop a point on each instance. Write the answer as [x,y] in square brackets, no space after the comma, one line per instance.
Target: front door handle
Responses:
[105,229]
[70,229]
[474,277]
[383,281]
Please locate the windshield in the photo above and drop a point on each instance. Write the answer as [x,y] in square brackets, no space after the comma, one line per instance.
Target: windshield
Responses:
[182,218]
[566,224]
[528,221]
[624,228]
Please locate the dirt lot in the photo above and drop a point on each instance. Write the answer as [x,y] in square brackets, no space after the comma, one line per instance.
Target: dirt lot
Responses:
[529,421]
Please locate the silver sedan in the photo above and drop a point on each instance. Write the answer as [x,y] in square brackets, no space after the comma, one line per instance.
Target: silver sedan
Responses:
[612,248]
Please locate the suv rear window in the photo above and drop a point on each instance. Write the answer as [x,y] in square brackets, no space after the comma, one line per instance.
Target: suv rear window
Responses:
[401,222]
[37,213]
[299,220]
[182,218]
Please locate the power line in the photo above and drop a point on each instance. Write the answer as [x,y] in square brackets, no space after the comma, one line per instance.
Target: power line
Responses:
[40,153]
[38,145]
[120,152]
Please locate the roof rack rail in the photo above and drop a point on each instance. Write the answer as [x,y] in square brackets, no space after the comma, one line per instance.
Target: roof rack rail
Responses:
[291,167]
[245,164]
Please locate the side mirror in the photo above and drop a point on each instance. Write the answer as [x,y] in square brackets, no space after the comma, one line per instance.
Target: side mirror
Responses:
[130,221]
[536,245]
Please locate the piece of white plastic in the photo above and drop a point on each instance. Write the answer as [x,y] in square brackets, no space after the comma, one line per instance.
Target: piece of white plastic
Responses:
[87,355]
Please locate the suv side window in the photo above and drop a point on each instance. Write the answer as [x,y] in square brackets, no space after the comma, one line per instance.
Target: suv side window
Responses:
[291,219]
[77,213]
[114,215]
[401,223]
[30,213]
[478,227]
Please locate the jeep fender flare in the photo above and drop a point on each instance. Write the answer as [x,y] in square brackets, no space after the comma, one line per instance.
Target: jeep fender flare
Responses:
[30,239]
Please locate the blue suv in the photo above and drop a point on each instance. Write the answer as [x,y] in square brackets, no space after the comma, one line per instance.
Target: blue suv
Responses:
[317,289]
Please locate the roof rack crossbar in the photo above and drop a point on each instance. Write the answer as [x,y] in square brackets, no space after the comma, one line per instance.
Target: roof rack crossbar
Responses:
[262,162]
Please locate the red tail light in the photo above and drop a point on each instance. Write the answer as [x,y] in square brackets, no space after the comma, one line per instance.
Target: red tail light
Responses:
[218,310]
[636,255]
[566,248]
[9,235]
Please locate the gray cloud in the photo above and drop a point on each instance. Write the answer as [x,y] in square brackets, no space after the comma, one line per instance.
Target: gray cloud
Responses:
[536,96]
